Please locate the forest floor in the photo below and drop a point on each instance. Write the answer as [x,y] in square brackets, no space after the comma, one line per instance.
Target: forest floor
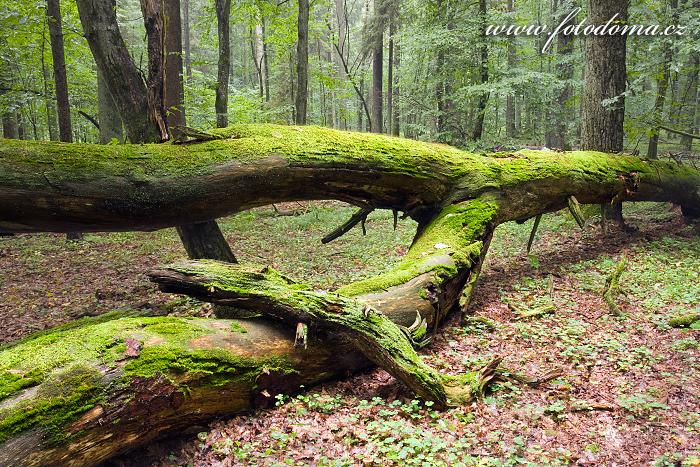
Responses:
[629,393]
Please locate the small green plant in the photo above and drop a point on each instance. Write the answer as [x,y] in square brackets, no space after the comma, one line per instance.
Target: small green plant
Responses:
[641,404]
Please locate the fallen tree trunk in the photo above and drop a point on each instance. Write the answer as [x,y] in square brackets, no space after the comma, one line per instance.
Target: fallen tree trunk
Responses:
[81,394]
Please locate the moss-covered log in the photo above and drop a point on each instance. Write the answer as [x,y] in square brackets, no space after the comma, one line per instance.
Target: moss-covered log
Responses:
[82,394]
[78,187]
[261,289]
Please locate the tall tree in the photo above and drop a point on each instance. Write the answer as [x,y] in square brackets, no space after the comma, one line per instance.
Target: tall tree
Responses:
[302,62]
[53,12]
[174,92]
[144,122]
[122,77]
[187,43]
[396,119]
[603,101]
[512,62]
[51,119]
[377,123]
[690,109]
[154,22]
[662,87]
[558,136]
[223,21]
[390,79]
[111,127]
[483,73]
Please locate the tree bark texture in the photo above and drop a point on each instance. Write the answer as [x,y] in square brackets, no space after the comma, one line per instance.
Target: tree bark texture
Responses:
[111,126]
[53,12]
[154,19]
[603,101]
[662,88]
[99,20]
[94,389]
[302,93]
[174,92]
[223,18]
[377,122]
[483,73]
[187,43]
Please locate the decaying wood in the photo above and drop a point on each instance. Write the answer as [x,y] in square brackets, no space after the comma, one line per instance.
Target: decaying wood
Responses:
[79,395]
[266,291]
[533,232]
[359,216]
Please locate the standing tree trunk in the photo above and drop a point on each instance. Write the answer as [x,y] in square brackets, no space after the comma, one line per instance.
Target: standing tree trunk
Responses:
[661,90]
[51,121]
[65,130]
[377,124]
[302,62]
[691,102]
[100,24]
[174,92]
[187,44]
[341,57]
[483,73]
[390,80]
[265,61]
[154,22]
[396,119]
[223,19]
[558,138]
[512,62]
[111,127]
[601,125]
[120,73]
[53,12]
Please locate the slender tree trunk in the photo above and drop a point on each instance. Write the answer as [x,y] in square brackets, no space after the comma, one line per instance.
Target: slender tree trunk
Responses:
[51,121]
[377,125]
[187,44]
[439,74]
[265,60]
[662,89]
[483,73]
[302,62]
[512,63]
[565,72]
[257,54]
[174,92]
[360,126]
[111,127]
[53,12]
[691,102]
[223,17]
[606,73]
[154,19]
[341,56]
[390,80]
[396,120]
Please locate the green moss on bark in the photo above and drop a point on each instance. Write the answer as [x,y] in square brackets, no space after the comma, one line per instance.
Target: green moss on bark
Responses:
[65,368]
[60,400]
[452,241]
